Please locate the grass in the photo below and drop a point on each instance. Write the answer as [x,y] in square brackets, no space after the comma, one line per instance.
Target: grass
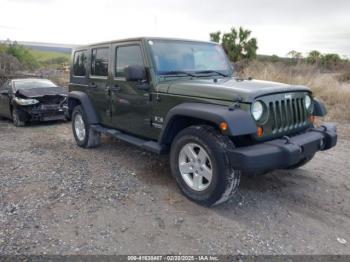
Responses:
[331,87]
[50,59]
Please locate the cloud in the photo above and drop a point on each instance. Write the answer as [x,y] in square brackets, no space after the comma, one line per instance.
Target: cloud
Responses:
[280,26]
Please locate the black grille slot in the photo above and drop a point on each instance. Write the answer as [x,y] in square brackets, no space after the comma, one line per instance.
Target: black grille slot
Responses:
[287,114]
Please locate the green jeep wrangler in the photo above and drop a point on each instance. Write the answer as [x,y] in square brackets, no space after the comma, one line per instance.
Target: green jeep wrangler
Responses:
[181,97]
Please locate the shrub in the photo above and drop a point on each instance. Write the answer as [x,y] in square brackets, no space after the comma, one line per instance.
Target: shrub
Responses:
[325,86]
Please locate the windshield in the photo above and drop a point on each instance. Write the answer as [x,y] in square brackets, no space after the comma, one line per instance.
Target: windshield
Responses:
[33,83]
[189,58]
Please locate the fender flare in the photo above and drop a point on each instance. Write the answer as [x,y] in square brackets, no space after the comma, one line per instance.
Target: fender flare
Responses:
[85,102]
[239,122]
[319,108]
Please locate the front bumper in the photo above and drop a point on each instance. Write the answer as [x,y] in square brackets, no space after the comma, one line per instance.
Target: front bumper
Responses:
[284,152]
[43,114]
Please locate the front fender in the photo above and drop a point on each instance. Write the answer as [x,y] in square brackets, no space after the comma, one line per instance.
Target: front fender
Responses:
[85,102]
[319,108]
[239,122]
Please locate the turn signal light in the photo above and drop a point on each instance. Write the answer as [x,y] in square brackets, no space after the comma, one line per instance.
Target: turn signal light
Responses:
[260,131]
[312,119]
[223,126]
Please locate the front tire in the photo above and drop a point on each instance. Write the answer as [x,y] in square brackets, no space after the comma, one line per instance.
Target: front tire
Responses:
[200,164]
[84,136]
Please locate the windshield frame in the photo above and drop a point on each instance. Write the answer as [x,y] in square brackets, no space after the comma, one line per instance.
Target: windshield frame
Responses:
[187,73]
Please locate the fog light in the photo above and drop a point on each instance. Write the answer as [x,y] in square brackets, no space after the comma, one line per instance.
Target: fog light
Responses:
[223,126]
[301,149]
[322,144]
[260,131]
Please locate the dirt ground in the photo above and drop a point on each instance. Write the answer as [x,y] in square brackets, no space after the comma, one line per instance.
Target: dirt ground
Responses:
[57,198]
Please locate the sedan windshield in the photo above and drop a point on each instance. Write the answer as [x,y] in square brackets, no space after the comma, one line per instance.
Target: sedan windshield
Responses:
[175,58]
[33,83]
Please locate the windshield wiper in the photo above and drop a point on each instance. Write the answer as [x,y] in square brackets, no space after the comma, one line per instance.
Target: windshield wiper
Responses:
[211,71]
[177,72]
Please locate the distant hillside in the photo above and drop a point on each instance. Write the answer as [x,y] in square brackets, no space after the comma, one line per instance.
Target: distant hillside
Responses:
[49,59]
[51,47]
[48,47]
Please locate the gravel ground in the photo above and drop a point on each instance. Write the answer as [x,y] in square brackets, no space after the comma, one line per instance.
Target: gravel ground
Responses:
[57,198]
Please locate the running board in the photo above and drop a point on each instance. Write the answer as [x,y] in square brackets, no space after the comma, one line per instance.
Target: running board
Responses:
[144,144]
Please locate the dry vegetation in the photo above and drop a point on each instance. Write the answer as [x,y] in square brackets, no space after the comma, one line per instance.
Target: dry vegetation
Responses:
[332,87]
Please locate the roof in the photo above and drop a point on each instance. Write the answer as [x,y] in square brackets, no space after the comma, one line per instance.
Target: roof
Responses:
[141,39]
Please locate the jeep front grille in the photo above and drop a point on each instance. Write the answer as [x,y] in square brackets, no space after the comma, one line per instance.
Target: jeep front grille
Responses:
[287,114]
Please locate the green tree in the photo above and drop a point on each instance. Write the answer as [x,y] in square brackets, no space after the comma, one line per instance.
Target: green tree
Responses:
[238,44]
[2,48]
[275,58]
[314,57]
[22,54]
[295,55]
[215,36]
[330,60]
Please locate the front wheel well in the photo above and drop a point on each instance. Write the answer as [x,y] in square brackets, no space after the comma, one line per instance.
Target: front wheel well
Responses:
[72,103]
[179,123]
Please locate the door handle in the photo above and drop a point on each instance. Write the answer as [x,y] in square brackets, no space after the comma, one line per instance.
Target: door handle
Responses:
[93,85]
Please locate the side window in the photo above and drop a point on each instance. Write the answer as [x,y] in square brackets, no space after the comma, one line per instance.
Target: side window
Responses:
[99,62]
[79,63]
[127,55]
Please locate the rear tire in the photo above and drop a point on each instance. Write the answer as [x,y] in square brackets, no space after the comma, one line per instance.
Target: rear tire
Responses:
[301,163]
[84,136]
[201,166]
[16,118]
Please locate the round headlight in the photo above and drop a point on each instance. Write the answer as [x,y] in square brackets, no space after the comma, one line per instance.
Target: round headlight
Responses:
[307,102]
[257,110]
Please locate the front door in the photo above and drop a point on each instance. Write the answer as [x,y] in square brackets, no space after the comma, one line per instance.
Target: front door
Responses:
[130,105]
[98,83]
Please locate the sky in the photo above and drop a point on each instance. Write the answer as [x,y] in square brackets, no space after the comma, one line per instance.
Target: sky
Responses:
[279,25]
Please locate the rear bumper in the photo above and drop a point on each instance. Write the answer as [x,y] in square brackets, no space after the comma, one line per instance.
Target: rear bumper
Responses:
[284,152]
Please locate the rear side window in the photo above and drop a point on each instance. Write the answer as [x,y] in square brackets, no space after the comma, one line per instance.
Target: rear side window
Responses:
[126,56]
[99,62]
[79,63]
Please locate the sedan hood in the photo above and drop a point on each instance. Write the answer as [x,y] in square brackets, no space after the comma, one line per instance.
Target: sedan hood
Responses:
[229,89]
[41,92]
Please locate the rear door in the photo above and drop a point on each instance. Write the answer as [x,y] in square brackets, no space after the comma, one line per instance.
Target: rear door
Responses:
[98,83]
[131,106]
[79,72]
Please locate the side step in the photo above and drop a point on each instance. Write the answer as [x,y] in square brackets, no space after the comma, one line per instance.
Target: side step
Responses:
[145,144]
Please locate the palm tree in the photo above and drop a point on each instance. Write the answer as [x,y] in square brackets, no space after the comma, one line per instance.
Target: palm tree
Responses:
[238,44]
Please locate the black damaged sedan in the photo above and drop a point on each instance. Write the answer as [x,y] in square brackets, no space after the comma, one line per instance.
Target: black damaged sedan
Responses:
[29,100]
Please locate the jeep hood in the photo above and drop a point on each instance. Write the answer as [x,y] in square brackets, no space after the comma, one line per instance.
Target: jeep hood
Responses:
[229,89]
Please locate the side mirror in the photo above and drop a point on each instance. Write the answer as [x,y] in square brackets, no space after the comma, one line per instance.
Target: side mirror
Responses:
[135,73]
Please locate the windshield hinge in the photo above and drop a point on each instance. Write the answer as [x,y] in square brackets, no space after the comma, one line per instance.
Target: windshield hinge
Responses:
[236,104]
